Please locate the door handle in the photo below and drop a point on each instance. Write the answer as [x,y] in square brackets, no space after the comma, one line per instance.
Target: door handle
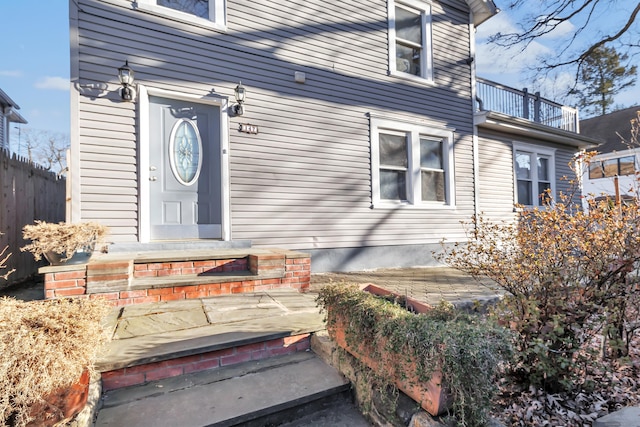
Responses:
[153,178]
[152,168]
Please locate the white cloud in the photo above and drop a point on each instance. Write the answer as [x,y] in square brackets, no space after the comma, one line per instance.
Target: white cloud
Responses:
[55,83]
[500,23]
[11,73]
[493,59]
[510,65]
[562,30]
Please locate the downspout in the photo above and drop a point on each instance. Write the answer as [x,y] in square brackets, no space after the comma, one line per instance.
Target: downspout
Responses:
[73,212]
[475,148]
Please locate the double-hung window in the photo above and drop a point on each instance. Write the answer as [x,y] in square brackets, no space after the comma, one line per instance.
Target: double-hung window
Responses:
[412,164]
[394,164]
[534,175]
[410,39]
[210,13]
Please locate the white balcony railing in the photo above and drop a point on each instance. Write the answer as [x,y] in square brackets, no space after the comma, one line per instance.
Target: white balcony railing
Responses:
[495,97]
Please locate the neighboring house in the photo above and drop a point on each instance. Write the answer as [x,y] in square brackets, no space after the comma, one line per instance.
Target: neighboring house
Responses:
[8,115]
[357,141]
[619,155]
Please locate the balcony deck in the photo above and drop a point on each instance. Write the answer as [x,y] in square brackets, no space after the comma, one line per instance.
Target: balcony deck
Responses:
[492,96]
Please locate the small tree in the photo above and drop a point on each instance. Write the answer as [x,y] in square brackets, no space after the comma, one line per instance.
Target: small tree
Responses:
[48,149]
[570,276]
[601,77]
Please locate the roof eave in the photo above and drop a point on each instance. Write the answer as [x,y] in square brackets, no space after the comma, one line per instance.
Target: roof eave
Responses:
[482,10]
[15,117]
[519,126]
[6,101]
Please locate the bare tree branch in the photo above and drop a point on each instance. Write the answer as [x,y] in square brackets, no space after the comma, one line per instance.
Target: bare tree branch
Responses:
[555,13]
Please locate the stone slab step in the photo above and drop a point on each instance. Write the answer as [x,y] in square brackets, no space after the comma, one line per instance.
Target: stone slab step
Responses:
[179,246]
[626,417]
[157,332]
[337,414]
[248,394]
[188,254]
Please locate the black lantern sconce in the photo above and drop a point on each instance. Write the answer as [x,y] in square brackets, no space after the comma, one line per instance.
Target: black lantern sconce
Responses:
[125,75]
[240,93]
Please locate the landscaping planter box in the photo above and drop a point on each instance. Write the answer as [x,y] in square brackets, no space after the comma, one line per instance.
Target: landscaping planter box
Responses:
[431,395]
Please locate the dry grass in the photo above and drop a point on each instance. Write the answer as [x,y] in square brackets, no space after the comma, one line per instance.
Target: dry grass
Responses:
[44,346]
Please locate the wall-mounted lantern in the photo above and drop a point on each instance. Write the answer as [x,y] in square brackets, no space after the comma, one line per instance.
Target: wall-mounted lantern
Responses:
[125,75]
[240,93]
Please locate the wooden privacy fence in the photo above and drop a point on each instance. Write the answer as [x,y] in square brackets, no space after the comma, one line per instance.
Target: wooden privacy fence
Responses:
[27,192]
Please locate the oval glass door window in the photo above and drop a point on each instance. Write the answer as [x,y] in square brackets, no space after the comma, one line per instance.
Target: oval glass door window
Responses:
[185,151]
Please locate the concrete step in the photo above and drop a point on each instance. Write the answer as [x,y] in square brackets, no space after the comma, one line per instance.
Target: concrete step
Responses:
[267,392]
[177,246]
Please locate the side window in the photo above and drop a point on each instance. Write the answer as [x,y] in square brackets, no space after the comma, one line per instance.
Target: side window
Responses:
[411,164]
[410,39]
[534,175]
[608,168]
[595,170]
[432,172]
[626,165]
[394,162]
[209,13]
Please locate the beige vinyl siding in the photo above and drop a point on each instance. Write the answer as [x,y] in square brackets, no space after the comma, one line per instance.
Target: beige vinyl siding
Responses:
[496,196]
[304,181]
[495,199]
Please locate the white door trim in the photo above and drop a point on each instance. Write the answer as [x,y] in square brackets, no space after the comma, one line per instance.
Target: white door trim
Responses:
[144,228]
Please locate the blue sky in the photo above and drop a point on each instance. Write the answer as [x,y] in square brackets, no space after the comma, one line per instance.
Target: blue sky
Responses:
[513,68]
[34,70]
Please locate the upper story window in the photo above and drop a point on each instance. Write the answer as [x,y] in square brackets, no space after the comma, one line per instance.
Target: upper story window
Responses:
[194,7]
[410,39]
[208,13]
[618,166]
[534,174]
[411,164]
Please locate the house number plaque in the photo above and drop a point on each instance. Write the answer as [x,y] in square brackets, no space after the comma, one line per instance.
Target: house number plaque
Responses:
[248,128]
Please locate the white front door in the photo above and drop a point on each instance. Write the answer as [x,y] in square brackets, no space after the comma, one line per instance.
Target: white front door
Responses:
[185,170]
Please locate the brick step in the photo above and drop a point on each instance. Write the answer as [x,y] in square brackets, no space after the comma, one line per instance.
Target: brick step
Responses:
[165,339]
[135,278]
[209,284]
[256,393]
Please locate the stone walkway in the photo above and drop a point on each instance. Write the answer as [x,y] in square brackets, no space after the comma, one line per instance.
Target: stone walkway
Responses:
[430,285]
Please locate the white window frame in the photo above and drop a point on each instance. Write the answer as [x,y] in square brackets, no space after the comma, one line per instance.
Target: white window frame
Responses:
[536,151]
[217,13]
[426,60]
[414,189]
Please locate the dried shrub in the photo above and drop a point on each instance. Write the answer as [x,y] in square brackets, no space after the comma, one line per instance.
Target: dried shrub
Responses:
[4,257]
[571,277]
[45,346]
[62,238]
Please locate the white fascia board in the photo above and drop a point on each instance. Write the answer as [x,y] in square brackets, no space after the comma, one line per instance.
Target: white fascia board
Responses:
[518,126]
